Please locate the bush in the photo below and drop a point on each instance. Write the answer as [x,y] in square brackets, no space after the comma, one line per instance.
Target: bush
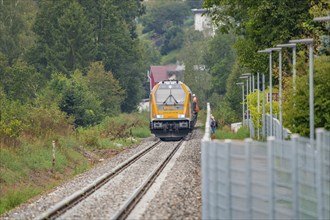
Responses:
[115,128]
[226,133]
[12,115]
[50,121]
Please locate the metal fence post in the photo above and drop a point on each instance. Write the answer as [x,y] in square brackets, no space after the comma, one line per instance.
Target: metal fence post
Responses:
[228,177]
[295,177]
[319,162]
[263,107]
[271,185]
[248,174]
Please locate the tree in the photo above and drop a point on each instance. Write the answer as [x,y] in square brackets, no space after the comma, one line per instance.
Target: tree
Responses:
[195,75]
[161,16]
[21,82]
[65,40]
[117,46]
[75,99]
[74,46]
[262,24]
[106,88]
[11,26]
[173,39]
[296,106]
[219,60]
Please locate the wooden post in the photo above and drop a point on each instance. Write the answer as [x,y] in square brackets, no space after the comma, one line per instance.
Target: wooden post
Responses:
[53,161]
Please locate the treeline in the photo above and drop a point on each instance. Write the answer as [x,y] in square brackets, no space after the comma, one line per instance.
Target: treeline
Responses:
[248,26]
[165,23]
[73,61]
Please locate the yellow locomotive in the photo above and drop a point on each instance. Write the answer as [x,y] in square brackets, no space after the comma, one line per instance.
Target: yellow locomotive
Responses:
[171,110]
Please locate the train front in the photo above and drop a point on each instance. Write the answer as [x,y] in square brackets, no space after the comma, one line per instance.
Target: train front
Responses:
[170,110]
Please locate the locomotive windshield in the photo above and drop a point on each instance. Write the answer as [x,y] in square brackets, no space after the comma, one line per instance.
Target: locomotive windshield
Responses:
[170,94]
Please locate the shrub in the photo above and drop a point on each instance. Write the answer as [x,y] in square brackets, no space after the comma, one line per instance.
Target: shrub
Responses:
[12,114]
[46,121]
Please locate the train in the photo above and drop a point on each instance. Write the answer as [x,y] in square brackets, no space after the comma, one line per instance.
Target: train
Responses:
[172,113]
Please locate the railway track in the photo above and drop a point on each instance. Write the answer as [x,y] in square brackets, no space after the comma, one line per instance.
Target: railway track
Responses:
[70,202]
[75,198]
[131,202]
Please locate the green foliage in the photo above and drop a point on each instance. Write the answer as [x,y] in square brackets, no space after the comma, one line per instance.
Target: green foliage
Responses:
[21,81]
[219,60]
[74,47]
[233,95]
[11,26]
[15,197]
[76,99]
[72,34]
[173,39]
[47,121]
[262,23]
[150,53]
[195,74]
[12,168]
[164,24]
[141,132]
[64,37]
[161,16]
[106,88]
[113,129]
[21,170]
[296,107]
[224,114]
[12,114]
[226,133]
[253,106]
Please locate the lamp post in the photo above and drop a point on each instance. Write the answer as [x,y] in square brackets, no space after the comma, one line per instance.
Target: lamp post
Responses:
[270,50]
[242,84]
[309,42]
[279,49]
[248,76]
[263,107]
[258,88]
[247,92]
[294,52]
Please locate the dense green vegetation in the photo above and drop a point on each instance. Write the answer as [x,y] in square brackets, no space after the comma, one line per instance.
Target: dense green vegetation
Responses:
[70,71]
[264,24]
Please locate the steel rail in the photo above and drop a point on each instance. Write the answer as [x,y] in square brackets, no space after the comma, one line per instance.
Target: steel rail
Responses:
[131,202]
[69,202]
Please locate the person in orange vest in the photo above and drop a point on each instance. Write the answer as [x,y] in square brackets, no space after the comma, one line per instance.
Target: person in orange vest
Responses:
[195,108]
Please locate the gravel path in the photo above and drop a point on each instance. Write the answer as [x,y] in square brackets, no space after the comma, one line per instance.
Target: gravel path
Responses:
[178,197]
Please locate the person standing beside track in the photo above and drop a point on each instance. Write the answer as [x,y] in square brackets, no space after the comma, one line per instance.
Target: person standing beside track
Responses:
[213,125]
[195,108]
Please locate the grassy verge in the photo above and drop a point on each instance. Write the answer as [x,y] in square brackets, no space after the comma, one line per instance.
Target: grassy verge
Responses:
[26,169]
[226,133]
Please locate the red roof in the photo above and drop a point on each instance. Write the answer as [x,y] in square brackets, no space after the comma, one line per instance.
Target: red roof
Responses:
[160,73]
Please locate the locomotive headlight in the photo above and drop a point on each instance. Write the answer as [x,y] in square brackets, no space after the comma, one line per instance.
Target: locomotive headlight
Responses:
[181,115]
[159,116]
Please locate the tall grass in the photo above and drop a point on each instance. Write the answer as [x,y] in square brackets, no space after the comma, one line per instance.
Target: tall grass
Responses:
[14,197]
[25,168]
[226,133]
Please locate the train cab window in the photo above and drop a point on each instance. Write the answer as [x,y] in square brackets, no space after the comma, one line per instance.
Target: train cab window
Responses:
[170,94]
